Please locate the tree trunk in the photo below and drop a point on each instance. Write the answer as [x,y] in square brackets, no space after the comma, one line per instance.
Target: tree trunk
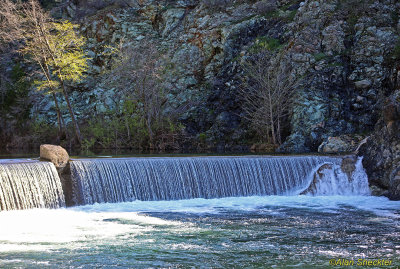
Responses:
[151,135]
[60,125]
[60,120]
[71,112]
[271,118]
[278,131]
[127,128]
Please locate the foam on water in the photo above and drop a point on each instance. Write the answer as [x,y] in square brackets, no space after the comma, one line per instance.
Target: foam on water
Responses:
[334,181]
[194,232]
[65,226]
[377,205]
[101,221]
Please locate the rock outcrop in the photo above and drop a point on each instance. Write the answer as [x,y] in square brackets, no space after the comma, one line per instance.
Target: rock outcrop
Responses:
[317,178]
[340,144]
[382,150]
[346,59]
[344,55]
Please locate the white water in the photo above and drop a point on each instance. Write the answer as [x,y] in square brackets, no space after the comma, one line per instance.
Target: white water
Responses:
[253,231]
[50,229]
[30,184]
[334,181]
[118,180]
[377,205]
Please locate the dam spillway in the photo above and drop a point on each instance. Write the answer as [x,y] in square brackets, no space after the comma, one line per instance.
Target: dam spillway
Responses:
[25,185]
[177,178]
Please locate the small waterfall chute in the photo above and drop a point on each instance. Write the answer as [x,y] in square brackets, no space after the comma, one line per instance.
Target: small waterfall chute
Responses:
[27,185]
[331,179]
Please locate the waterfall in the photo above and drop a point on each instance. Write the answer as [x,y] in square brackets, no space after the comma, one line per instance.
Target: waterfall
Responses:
[329,179]
[118,180]
[30,185]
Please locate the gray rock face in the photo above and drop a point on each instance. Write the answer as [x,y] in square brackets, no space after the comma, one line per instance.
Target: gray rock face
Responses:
[346,67]
[382,150]
[363,84]
[341,54]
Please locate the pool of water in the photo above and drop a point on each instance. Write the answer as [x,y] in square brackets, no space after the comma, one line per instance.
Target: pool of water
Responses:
[247,232]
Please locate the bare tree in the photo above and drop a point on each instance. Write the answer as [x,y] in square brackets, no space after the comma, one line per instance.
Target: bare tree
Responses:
[137,75]
[268,93]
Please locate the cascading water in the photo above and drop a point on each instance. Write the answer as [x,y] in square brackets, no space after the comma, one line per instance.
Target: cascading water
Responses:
[30,185]
[329,179]
[118,180]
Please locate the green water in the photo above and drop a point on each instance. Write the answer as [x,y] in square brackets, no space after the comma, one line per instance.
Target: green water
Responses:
[248,232]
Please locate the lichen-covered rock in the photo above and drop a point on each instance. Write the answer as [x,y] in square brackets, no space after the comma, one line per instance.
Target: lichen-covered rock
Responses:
[340,144]
[55,154]
[348,73]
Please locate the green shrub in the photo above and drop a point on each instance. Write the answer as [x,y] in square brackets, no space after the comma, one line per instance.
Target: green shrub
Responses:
[202,138]
[216,5]
[396,50]
[263,43]
[320,56]
[291,15]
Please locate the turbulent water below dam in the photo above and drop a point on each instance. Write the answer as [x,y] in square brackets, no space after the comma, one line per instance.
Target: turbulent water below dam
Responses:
[197,212]
[247,232]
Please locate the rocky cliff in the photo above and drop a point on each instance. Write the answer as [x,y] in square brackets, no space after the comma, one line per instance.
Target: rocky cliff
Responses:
[346,55]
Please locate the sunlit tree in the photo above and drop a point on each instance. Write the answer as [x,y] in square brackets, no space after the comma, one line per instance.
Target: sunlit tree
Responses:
[54,46]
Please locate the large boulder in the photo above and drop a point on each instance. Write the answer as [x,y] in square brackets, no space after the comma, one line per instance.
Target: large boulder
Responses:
[60,158]
[55,154]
